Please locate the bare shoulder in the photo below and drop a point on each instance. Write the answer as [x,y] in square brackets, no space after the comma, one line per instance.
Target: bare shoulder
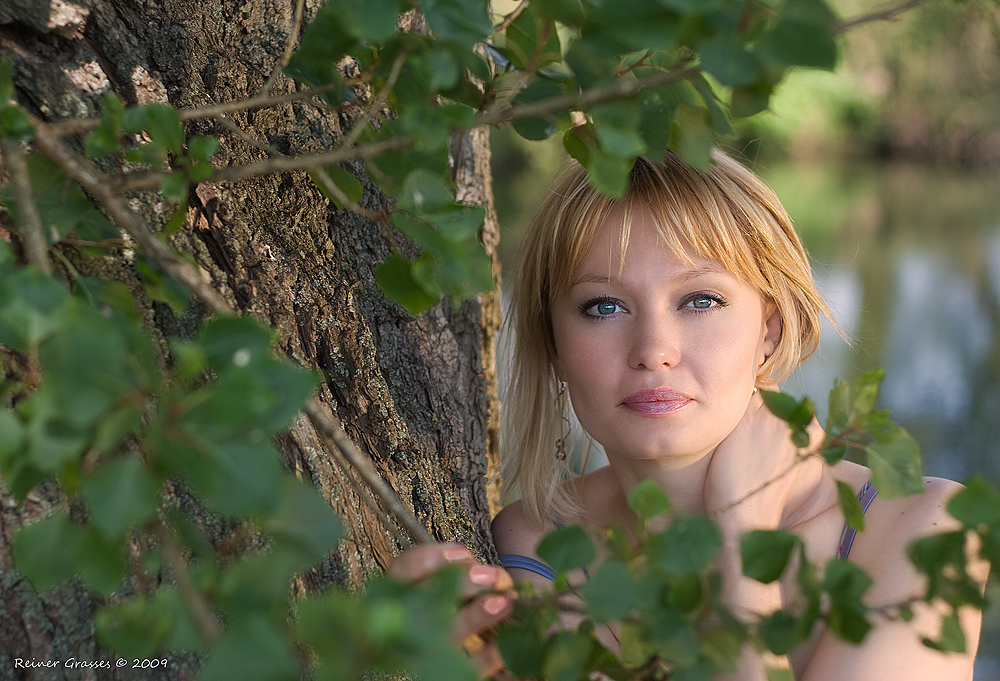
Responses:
[891,527]
[514,531]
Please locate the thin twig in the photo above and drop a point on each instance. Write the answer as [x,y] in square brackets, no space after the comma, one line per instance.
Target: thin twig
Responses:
[338,193]
[293,35]
[195,601]
[759,488]
[877,15]
[364,491]
[29,222]
[152,179]
[326,424]
[619,89]
[509,19]
[72,126]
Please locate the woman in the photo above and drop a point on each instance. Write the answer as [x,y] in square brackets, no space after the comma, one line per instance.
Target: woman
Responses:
[661,316]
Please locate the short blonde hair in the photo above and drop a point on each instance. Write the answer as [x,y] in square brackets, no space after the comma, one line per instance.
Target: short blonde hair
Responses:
[725,213]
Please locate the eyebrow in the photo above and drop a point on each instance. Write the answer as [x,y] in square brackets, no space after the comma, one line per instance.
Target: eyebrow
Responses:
[686,275]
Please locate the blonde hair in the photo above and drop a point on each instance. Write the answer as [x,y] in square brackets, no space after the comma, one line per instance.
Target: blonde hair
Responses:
[725,213]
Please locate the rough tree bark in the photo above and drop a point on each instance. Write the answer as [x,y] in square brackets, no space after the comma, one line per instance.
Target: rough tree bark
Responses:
[417,394]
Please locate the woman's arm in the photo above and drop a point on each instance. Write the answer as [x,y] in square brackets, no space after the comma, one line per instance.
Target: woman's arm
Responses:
[893,648]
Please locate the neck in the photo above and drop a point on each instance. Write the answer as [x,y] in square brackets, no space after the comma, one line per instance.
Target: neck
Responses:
[805,490]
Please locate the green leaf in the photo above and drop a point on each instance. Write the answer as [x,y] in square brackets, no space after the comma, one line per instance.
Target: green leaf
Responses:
[850,505]
[33,306]
[373,22]
[161,121]
[616,128]
[566,548]
[465,22]
[689,544]
[894,460]
[691,136]
[952,639]
[726,58]
[609,174]
[202,147]
[780,404]
[569,12]
[976,505]
[60,202]
[106,139]
[323,44]
[537,128]
[840,406]
[566,656]
[846,585]
[426,192]
[175,186]
[648,500]
[304,525]
[251,649]
[14,124]
[395,277]
[780,632]
[522,647]
[610,593]
[235,342]
[765,553]
[865,390]
[794,43]
[345,181]
[525,45]
[40,550]
[120,495]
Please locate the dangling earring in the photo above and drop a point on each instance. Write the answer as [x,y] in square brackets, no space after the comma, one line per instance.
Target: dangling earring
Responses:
[560,407]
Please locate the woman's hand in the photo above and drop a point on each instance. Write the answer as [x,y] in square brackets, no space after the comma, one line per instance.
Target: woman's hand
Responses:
[752,474]
[486,590]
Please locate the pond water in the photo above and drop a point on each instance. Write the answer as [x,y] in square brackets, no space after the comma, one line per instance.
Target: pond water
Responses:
[909,259]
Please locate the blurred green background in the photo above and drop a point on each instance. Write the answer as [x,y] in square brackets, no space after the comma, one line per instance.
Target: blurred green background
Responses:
[890,167]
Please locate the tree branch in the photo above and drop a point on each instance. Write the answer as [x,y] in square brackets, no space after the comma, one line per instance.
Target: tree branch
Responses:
[293,35]
[619,89]
[152,179]
[877,15]
[195,601]
[72,126]
[330,427]
[29,222]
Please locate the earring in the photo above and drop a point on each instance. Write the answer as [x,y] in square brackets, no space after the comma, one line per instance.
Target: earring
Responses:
[560,407]
[755,391]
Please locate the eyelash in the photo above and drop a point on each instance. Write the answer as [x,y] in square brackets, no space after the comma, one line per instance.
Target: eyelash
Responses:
[685,304]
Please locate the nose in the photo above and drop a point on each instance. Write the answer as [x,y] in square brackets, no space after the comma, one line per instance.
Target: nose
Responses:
[654,343]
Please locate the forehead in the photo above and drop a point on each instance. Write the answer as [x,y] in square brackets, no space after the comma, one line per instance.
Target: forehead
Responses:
[631,233]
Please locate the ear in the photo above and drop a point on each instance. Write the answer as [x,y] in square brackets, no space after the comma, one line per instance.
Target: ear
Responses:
[772,328]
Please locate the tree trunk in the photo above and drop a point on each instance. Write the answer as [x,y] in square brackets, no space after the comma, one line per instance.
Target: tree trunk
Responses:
[418,395]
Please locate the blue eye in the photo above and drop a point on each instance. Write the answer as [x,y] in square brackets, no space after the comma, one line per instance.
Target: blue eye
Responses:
[601,307]
[702,302]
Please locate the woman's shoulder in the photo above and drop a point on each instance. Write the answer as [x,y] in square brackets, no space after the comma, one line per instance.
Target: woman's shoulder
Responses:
[891,527]
[517,531]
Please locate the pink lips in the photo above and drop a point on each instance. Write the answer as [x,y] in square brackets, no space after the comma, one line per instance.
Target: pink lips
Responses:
[655,402]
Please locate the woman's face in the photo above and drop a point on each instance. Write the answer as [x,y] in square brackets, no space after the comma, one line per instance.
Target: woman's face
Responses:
[660,357]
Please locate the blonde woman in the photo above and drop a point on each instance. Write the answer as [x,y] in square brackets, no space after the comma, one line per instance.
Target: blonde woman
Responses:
[658,318]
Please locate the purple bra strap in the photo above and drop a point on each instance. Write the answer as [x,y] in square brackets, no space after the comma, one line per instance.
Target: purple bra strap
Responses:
[865,496]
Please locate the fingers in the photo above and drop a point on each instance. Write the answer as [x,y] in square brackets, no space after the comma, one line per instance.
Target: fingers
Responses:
[420,562]
[486,592]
